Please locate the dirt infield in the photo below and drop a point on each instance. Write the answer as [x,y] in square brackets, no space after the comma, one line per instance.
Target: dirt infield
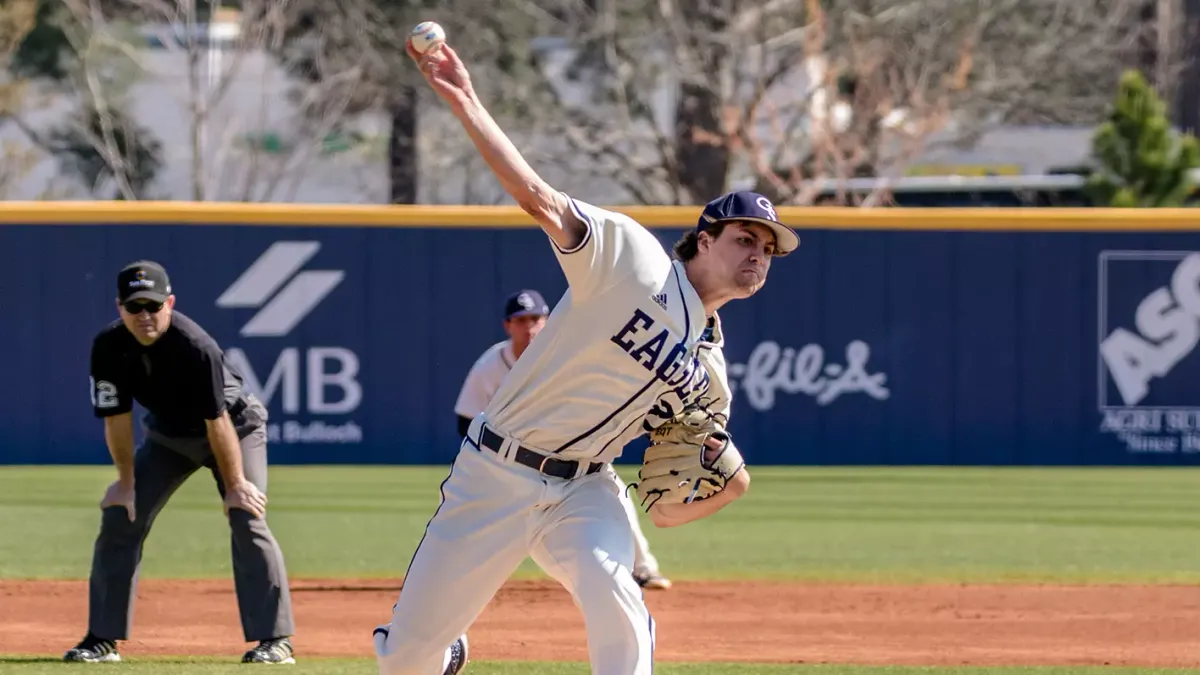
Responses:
[764,622]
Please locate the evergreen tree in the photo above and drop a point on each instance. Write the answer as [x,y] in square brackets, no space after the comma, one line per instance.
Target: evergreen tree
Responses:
[1141,161]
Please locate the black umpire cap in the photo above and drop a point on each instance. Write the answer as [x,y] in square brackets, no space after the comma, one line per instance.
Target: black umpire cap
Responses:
[143,280]
[525,303]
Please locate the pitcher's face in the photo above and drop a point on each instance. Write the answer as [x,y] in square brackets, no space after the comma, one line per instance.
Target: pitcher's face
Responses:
[740,257]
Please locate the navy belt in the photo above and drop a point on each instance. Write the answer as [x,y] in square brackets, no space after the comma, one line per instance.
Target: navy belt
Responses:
[551,466]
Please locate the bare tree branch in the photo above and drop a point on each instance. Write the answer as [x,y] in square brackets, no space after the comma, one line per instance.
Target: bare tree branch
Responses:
[84,36]
[790,93]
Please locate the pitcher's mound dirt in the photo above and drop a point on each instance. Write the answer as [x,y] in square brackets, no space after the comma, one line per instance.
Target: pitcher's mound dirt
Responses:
[798,623]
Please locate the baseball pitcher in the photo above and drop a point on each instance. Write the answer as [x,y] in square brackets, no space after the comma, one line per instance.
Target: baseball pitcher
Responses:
[633,347]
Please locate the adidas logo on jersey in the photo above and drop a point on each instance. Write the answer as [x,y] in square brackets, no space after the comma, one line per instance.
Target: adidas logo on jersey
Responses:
[661,299]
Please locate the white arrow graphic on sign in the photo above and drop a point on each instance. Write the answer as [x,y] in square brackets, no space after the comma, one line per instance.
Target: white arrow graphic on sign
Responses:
[297,299]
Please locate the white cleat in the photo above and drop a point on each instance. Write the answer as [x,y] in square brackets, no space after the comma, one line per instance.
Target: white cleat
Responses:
[457,656]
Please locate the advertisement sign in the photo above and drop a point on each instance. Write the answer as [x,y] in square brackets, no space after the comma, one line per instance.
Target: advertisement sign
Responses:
[1149,324]
[772,369]
[867,345]
[313,390]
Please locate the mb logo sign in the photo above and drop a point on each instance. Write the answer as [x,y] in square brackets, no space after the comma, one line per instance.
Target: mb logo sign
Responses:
[309,382]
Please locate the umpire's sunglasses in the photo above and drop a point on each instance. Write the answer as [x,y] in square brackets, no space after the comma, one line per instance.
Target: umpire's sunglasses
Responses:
[137,306]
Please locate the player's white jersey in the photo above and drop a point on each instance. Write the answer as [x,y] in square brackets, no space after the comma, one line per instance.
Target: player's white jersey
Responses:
[484,379]
[618,355]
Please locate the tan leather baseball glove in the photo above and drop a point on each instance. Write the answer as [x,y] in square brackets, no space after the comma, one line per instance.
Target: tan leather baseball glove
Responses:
[690,458]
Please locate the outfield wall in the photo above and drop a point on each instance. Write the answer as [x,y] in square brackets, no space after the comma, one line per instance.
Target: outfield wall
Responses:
[894,336]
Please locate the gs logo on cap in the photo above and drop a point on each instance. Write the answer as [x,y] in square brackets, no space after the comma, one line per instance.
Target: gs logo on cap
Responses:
[765,204]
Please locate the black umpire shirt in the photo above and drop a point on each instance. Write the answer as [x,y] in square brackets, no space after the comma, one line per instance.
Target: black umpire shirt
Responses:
[181,380]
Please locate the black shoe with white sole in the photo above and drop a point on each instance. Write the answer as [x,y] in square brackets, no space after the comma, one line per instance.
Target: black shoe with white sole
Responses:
[93,650]
[277,650]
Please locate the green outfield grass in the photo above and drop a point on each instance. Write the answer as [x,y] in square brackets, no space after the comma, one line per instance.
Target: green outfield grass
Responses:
[894,525]
[364,667]
[861,524]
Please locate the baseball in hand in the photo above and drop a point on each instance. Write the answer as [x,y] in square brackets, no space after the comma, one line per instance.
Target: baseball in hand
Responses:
[426,36]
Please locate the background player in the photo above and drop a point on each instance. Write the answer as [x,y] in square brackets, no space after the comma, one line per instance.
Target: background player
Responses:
[525,314]
[198,415]
[621,354]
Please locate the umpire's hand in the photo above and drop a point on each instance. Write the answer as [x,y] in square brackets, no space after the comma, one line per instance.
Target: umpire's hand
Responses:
[247,497]
[120,494]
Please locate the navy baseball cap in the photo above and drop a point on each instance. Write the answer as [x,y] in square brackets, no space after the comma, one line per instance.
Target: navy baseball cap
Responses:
[143,280]
[525,303]
[753,207]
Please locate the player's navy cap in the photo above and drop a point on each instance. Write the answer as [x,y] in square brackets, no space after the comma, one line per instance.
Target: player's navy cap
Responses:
[525,303]
[143,280]
[751,206]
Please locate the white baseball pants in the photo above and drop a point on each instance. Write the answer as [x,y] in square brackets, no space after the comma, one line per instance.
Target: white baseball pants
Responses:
[644,561]
[492,515]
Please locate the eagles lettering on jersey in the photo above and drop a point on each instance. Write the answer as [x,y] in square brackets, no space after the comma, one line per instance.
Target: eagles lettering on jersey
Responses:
[679,368]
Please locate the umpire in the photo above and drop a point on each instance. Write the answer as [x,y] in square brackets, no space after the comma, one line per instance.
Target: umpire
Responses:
[197,415]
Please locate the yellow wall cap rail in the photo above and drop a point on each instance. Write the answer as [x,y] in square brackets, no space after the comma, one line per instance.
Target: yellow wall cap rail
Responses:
[402,216]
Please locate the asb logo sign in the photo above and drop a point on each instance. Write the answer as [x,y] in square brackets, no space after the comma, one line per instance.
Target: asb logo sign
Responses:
[1149,326]
[310,383]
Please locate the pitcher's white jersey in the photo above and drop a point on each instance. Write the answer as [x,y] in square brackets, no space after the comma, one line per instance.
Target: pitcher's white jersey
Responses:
[619,354]
[484,379]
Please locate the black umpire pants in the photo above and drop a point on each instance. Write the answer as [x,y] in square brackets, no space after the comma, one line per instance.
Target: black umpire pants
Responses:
[260,578]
